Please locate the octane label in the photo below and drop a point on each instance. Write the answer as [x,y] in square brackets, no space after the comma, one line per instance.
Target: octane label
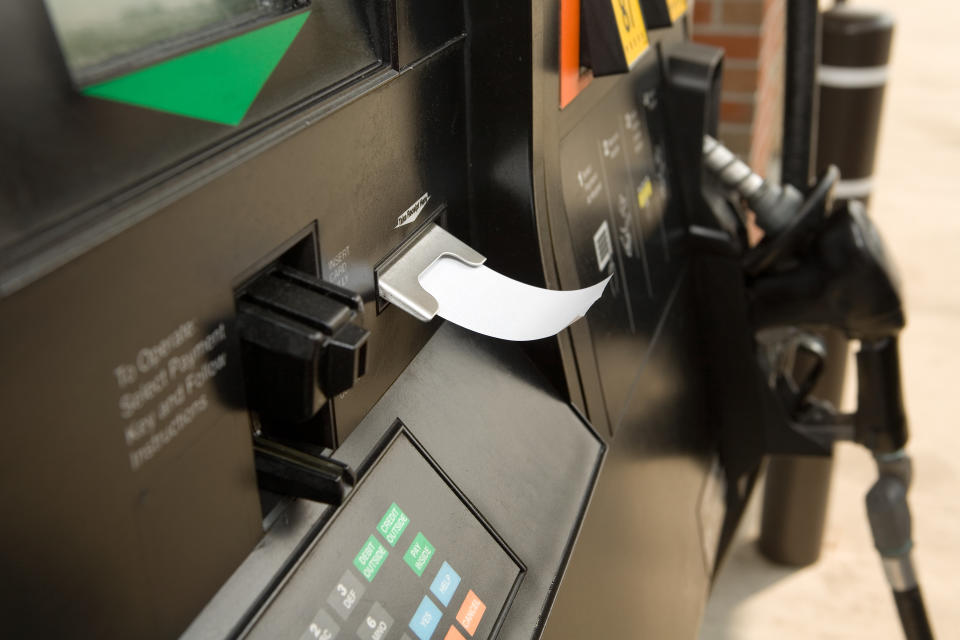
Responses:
[633,33]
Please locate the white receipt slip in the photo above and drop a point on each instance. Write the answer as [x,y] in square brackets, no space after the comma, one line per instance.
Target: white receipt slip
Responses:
[482,300]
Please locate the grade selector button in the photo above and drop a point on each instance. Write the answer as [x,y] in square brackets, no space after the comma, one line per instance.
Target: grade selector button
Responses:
[470,612]
[453,634]
[376,625]
[425,620]
[346,594]
[370,558]
[392,524]
[445,584]
[322,627]
[419,554]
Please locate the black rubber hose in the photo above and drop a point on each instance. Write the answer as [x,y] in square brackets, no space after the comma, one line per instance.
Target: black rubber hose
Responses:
[800,92]
[913,615]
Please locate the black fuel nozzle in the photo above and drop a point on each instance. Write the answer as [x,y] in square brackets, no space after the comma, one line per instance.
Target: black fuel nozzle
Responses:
[840,277]
[818,264]
[825,266]
[788,218]
[775,206]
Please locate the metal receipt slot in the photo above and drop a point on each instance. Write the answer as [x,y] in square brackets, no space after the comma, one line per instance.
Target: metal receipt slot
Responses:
[398,279]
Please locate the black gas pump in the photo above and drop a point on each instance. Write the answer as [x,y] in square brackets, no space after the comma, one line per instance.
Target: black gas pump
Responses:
[223,421]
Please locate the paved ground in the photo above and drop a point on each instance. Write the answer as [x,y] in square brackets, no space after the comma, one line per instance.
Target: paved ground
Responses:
[917,204]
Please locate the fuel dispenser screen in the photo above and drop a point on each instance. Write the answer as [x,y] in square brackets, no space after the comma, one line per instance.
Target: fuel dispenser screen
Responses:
[405,558]
[103,31]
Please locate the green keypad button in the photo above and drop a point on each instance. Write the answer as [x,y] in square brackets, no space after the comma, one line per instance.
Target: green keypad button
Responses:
[370,558]
[419,554]
[392,524]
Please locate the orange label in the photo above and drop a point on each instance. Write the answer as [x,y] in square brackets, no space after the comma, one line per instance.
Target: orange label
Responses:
[677,8]
[470,612]
[572,81]
[453,634]
[633,33]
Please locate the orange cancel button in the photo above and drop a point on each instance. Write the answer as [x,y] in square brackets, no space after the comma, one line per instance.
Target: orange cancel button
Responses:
[453,634]
[470,612]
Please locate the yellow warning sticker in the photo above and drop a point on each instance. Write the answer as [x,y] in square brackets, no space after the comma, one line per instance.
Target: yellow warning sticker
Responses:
[633,33]
[677,8]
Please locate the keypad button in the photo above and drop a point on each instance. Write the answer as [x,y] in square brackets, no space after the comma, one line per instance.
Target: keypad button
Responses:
[322,627]
[376,624]
[471,611]
[346,594]
[445,584]
[424,622]
[419,554]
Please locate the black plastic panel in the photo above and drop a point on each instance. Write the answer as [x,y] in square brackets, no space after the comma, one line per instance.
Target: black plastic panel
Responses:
[639,567]
[114,535]
[616,188]
[405,554]
[520,454]
[424,25]
[499,434]
[121,476]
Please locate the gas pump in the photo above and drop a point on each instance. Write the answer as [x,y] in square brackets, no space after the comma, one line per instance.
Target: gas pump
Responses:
[231,408]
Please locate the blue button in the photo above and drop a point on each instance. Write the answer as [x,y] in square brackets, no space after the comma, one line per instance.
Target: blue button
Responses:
[445,584]
[426,619]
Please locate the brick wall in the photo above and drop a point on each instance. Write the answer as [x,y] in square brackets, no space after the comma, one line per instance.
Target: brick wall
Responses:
[752,33]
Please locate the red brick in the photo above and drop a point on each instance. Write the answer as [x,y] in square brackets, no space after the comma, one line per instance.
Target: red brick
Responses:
[740,80]
[736,112]
[735,46]
[749,30]
[702,12]
[741,13]
[737,142]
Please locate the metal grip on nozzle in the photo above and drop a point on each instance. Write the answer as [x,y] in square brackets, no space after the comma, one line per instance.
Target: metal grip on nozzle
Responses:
[889,515]
[774,205]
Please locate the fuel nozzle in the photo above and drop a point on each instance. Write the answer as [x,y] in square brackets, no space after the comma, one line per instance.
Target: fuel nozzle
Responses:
[774,205]
[788,218]
[821,265]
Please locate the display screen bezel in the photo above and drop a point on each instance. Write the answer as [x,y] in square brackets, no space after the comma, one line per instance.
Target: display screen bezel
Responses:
[117,54]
